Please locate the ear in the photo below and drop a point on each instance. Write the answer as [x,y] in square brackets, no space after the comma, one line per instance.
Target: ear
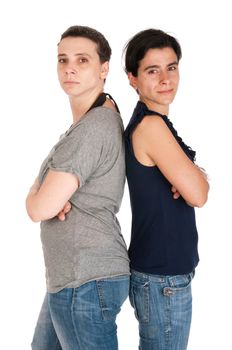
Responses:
[104,70]
[132,80]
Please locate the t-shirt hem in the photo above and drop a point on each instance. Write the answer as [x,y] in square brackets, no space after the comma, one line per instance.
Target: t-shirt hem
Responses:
[76,284]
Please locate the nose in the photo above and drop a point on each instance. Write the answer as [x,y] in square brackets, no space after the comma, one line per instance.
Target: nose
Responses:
[70,71]
[164,77]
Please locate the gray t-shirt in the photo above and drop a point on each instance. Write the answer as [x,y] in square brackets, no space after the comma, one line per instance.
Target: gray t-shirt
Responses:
[88,245]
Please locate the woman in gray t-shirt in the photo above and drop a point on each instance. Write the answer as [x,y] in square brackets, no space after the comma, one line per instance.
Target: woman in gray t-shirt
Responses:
[87,267]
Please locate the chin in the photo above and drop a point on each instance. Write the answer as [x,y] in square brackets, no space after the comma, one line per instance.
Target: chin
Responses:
[167,101]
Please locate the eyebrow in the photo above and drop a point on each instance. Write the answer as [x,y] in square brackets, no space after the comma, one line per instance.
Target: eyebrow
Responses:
[175,63]
[76,54]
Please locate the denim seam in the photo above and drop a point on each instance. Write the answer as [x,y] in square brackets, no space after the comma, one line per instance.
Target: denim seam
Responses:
[145,316]
[168,327]
[74,294]
[146,301]
[101,298]
[58,346]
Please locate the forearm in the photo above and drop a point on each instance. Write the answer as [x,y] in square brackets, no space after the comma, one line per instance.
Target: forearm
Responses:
[46,201]
[166,153]
[203,187]
[200,190]
[33,204]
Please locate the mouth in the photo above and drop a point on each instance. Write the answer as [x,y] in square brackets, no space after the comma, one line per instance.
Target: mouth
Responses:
[166,92]
[71,82]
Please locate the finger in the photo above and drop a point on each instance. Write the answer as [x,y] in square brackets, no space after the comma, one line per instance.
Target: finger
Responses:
[61,216]
[176,195]
[67,208]
[173,189]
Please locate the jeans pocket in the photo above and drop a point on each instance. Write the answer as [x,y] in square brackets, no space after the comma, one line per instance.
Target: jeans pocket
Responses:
[139,299]
[112,292]
[180,282]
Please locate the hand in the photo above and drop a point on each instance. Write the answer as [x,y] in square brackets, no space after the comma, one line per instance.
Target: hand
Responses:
[64,211]
[176,194]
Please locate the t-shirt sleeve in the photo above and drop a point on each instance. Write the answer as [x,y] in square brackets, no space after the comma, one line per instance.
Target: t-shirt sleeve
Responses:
[78,153]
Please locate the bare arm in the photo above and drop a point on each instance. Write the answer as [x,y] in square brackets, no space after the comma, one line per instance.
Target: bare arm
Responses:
[162,149]
[46,201]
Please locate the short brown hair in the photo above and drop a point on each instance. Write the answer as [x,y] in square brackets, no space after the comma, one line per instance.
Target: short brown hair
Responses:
[103,47]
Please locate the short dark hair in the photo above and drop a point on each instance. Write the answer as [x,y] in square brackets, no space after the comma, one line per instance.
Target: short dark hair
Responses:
[137,47]
[103,47]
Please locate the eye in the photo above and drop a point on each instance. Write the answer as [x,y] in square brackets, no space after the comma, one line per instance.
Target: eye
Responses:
[83,60]
[61,60]
[172,68]
[153,71]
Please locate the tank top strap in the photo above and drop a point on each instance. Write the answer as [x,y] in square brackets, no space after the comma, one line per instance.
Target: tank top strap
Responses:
[111,98]
[101,99]
[139,113]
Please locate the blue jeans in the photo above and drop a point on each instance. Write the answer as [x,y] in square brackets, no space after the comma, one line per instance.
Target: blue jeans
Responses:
[82,318]
[163,308]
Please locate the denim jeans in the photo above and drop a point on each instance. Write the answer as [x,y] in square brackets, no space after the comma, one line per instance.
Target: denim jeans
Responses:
[163,308]
[82,318]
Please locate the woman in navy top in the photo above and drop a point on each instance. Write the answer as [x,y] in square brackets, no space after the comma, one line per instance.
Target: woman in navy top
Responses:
[165,185]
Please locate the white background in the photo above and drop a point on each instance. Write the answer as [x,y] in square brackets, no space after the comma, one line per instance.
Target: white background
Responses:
[34,112]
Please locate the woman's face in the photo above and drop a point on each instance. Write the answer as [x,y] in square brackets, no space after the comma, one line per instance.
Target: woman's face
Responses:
[158,78]
[80,71]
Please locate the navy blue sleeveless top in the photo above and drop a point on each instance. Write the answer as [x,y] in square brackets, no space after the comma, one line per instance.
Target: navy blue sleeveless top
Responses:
[164,235]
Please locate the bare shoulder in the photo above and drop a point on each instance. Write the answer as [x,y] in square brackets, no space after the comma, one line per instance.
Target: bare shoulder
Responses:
[152,126]
[150,138]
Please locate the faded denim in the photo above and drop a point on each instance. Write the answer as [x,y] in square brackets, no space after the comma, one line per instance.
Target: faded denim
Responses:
[82,318]
[163,307]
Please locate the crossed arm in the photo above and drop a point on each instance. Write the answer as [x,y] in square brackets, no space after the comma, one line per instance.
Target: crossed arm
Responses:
[153,139]
[51,198]
[188,180]
[67,207]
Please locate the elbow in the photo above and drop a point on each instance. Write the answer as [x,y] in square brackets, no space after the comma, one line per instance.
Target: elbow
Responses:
[32,211]
[197,203]
[33,215]
[200,198]
[34,218]
[38,213]
[203,197]
[201,201]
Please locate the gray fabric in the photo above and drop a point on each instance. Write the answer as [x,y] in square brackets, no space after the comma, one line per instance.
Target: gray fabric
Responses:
[88,245]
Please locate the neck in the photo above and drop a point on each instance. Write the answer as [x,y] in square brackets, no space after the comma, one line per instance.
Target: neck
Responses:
[162,109]
[80,104]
